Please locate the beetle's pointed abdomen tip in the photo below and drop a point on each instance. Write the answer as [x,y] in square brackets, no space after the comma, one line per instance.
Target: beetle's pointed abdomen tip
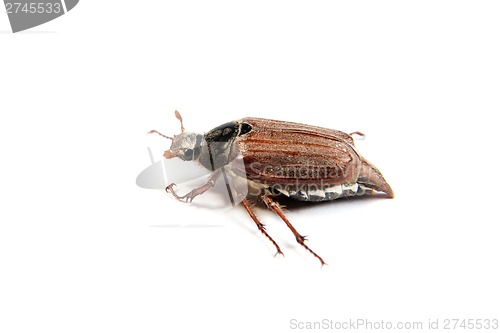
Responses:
[384,189]
[385,193]
[371,177]
[389,193]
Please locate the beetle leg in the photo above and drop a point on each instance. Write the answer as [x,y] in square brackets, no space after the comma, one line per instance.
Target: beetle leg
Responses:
[300,239]
[361,136]
[259,224]
[195,192]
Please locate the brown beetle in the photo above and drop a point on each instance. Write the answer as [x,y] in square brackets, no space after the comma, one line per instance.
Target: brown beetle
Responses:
[302,162]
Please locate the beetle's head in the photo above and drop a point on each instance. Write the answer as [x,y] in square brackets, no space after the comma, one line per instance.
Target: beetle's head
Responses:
[186,146]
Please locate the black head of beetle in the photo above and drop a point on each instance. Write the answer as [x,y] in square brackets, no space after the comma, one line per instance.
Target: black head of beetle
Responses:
[212,150]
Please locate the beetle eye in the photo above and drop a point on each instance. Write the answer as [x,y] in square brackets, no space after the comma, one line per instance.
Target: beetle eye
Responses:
[188,154]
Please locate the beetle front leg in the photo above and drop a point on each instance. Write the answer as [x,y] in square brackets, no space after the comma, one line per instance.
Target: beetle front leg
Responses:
[300,239]
[195,192]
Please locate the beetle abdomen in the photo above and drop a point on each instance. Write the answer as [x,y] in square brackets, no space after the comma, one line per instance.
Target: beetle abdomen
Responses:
[328,193]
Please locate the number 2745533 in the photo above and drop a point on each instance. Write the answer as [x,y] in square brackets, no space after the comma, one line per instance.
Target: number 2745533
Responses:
[33,8]
[471,324]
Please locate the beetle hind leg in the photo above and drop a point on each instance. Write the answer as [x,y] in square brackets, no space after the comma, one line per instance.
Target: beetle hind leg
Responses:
[300,239]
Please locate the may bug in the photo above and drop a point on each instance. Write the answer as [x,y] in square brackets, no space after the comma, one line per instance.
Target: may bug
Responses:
[280,158]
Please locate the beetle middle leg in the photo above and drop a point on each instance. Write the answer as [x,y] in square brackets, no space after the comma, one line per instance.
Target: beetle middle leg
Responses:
[259,224]
[197,191]
[300,239]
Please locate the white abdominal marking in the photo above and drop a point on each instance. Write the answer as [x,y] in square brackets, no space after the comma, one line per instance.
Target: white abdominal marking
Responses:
[327,193]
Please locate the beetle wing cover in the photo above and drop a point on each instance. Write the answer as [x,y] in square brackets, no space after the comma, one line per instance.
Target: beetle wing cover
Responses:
[279,152]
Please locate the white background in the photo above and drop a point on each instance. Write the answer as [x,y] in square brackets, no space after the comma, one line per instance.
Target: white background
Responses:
[83,249]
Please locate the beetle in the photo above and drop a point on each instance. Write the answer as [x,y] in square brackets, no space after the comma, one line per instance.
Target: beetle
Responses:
[280,158]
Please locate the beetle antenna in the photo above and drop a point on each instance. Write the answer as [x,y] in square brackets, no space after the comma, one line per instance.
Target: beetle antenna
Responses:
[178,116]
[163,135]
